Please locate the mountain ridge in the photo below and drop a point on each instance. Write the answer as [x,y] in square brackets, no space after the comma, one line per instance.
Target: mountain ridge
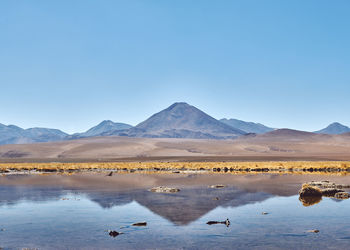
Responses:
[248,127]
[100,129]
[179,120]
[12,134]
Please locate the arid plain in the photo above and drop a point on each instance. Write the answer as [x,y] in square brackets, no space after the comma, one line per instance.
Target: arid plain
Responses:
[283,144]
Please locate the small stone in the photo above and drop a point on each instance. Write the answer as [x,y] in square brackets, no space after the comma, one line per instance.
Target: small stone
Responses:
[140,224]
[331,192]
[113,233]
[226,222]
[342,195]
[313,231]
[217,186]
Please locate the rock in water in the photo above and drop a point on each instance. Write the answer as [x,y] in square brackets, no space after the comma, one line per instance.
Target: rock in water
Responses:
[217,186]
[140,224]
[308,190]
[310,200]
[313,231]
[226,222]
[312,192]
[113,233]
[342,195]
[330,192]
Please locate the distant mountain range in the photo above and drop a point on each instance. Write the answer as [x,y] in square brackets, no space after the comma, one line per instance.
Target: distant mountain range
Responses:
[180,120]
[15,135]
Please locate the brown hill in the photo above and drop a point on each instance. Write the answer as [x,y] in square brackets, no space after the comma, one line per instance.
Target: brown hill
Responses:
[287,133]
[279,144]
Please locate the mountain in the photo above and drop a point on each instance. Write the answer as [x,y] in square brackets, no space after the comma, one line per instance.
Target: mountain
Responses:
[182,120]
[334,129]
[248,127]
[106,126]
[15,135]
[45,134]
[10,134]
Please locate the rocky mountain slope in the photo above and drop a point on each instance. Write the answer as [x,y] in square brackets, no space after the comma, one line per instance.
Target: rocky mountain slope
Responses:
[248,127]
[334,129]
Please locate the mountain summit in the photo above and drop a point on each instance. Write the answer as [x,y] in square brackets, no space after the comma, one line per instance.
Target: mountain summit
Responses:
[334,129]
[182,120]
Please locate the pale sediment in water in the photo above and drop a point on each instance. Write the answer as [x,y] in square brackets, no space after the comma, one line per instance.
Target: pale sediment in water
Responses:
[164,190]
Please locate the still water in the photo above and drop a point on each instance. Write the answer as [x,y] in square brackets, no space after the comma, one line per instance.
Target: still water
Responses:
[76,212]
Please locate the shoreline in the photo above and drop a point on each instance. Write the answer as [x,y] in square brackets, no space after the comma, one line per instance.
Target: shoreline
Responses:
[238,167]
[215,158]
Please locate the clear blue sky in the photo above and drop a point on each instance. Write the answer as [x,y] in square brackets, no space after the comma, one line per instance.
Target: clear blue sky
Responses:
[71,64]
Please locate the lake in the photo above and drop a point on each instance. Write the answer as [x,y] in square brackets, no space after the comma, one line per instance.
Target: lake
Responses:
[77,211]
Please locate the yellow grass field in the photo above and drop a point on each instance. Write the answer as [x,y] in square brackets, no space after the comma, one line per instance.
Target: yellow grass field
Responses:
[337,167]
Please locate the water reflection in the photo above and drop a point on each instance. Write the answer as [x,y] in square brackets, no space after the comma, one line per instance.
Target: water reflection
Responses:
[181,208]
[310,200]
[184,207]
[12,195]
[34,215]
[195,199]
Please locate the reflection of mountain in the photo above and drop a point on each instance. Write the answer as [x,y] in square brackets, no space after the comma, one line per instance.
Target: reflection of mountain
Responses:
[183,207]
[191,204]
[180,208]
[10,195]
[110,199]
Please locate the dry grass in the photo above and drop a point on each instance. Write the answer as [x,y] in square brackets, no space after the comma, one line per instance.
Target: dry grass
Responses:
[297,167]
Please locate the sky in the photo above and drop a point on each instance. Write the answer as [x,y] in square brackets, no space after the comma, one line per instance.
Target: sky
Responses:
[71,64]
